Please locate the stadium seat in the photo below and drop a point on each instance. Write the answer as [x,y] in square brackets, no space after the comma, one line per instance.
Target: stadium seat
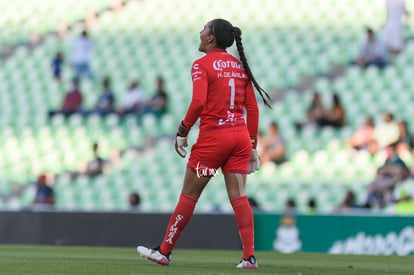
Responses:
[281,50]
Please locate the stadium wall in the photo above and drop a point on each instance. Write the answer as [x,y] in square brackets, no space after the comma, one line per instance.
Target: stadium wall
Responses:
[205,231]
[336,234]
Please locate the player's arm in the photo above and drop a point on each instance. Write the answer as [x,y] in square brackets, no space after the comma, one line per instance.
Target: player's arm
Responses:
[252,113]
[200,85]
[198,101]
[252,120]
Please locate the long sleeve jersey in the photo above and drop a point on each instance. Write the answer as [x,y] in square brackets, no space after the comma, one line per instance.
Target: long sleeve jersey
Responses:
[222,94]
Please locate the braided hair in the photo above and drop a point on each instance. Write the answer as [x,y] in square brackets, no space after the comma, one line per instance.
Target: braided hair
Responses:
[225,34]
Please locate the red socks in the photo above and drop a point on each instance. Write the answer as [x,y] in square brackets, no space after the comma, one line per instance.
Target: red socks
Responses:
[184,211]
[245,224]
[179,219]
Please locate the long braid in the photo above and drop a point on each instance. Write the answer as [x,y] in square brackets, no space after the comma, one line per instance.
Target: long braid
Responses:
[264,95]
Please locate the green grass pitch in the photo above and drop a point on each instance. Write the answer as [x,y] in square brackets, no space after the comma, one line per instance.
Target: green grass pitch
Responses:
[19,259]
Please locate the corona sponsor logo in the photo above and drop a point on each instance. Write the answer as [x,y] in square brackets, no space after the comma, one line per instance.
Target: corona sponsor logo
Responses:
[219,65]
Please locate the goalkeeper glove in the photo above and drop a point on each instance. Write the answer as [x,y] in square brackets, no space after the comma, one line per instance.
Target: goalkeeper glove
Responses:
[181,140]
[254,163]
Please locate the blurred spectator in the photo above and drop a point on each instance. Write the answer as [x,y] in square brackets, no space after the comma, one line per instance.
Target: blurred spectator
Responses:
[260,138]
[394,25]
[253,204]
[386,132]
[44,198]
[272,146]
[312,207]
[313,113]
[57,66]
[96,166]
[364,138]
[349,202]
[373,51]
[80,55]
[393,171]
[133,101]
[335,116]
[158,104]
[290,206]
[134,201]
[318,115]
[406,138]
[106,101]
[72,101]
[403,197]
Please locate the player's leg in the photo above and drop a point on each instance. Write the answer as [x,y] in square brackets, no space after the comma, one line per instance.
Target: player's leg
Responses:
[192,188]
[236,189]
[235,174]
[206,155]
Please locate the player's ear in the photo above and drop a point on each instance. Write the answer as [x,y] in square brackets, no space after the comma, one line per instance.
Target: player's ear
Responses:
[211,39]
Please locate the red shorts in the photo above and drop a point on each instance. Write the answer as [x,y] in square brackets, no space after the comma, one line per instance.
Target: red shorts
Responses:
[228,150]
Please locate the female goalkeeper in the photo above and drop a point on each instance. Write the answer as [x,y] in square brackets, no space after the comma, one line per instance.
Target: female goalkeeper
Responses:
[224,100]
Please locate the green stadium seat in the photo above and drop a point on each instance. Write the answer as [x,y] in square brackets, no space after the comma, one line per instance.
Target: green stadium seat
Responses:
[286,47]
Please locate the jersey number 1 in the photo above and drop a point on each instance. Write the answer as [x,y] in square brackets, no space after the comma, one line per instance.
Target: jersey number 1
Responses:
[232,92]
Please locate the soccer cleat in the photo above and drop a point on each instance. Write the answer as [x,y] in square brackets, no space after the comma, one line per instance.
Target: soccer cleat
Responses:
[154,255]
[250,263]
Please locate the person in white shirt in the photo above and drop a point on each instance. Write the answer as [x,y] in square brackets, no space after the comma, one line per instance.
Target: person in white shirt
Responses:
[387,132]
[394,25]
[133,101]
[80,55]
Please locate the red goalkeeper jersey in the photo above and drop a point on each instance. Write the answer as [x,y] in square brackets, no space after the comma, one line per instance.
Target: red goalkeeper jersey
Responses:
[223,95]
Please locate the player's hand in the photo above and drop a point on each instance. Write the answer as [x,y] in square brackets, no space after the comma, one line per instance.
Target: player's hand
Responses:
[254,163]
[181,140]
[180,144]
